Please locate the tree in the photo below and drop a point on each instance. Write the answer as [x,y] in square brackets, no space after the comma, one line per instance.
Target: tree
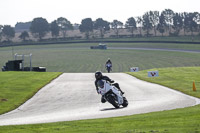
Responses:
[198,22]
[192,24]
[131,25]
[185,25]
[147,25]
[168,14]
[162,24]
[102,26]
[24,35]
[196,19]
[154,19]
[8,32]
[54,28]
[86,26]
[64,25]
[189,23]
[1,34]
[39,27]
[177,23]
[140,22]
[116,25]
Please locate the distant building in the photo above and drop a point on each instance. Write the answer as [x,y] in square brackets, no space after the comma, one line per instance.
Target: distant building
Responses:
[20,26]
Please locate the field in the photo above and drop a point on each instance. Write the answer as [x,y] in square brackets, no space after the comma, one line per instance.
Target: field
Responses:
[79,58]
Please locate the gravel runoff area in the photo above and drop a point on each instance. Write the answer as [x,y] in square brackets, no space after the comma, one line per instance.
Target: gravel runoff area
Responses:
[72,96]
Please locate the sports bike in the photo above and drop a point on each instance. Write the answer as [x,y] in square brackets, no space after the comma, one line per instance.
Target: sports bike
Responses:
[111,94]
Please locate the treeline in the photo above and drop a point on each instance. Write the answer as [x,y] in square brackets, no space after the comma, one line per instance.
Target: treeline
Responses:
[163,22]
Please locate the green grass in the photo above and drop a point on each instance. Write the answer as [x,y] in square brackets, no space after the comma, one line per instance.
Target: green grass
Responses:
[17,87]
[176,121]
[79,58]
[186,120]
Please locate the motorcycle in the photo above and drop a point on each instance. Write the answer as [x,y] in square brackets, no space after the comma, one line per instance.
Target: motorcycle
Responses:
[108,67]
[111,94]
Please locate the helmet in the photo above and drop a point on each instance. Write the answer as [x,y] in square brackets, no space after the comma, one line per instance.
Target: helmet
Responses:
[100,83]
[98,75]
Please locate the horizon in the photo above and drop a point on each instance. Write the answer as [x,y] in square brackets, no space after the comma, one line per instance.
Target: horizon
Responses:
[13,12]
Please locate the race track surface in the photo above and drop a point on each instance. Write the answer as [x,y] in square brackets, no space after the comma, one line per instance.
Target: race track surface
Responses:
[72,96]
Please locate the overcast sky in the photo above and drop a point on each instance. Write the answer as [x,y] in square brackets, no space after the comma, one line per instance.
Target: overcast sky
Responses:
[13,11]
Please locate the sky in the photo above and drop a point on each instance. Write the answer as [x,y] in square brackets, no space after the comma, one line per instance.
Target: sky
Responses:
[13,11]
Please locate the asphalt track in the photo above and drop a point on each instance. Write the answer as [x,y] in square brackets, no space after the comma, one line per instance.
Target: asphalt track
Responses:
[72,96]
[156,49]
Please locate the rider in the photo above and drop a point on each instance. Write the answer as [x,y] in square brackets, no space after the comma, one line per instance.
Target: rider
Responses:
[99,76]
[108,63]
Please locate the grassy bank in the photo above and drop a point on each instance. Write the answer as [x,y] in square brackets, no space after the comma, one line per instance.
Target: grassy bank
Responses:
[180,79]
[175,121]
[17,87]
[185,120]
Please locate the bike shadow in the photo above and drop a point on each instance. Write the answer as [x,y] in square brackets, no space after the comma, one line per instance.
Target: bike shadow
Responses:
[108,109]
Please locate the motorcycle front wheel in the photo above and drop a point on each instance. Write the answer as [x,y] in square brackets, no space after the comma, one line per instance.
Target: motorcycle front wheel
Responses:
[113,101]
[125,103]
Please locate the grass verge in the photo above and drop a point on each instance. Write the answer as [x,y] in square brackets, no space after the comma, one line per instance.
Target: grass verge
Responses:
[180,78]
[17,87]
[61,58]
[186,120]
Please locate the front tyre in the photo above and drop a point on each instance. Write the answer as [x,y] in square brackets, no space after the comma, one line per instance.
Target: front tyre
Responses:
[108,69]
[125,103]
[113,101]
